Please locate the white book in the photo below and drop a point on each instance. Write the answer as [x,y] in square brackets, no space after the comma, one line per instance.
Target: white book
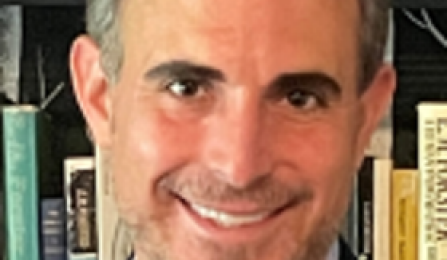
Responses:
[382,208]
[432,158]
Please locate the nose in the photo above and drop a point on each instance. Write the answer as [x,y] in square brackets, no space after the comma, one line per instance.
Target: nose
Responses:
[234,146]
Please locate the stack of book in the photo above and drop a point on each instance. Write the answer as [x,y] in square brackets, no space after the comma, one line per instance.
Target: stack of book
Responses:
[39,226]
[401,214]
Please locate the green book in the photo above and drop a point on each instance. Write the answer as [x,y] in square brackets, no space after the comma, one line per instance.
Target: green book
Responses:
[2,193]
[25,149]
[3,102]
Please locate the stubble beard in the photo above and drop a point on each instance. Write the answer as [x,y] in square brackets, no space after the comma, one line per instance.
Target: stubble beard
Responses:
[150,244]
[153,240]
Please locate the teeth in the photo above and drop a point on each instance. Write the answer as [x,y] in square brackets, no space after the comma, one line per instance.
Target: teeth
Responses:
[225,219]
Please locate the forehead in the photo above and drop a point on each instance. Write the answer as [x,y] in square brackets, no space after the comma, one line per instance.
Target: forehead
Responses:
[286,34]
[231,9]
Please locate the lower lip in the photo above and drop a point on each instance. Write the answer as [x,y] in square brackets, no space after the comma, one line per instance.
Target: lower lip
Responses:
[233,235]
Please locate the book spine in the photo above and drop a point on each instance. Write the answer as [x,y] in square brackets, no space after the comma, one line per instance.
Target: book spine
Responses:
[53,229]
[2,191]
[105,232]
[433,181]
[365,207]
[21,182]
[349,228]
[382,209]
[404,214]
[81,208]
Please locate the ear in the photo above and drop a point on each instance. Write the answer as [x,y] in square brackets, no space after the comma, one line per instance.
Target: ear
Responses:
[375,102]
[91,88]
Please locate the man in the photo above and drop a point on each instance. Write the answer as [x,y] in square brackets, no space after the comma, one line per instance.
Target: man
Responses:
[234,128]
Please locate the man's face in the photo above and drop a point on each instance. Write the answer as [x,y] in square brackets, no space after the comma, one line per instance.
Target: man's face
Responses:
[235,128]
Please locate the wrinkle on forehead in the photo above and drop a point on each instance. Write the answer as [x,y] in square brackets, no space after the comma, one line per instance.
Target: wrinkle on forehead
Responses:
[242,15]
[245,15]
[254,29]
[244,33]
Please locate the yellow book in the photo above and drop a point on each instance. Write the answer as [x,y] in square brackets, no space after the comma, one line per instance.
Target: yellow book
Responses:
[404,194]
[432,158]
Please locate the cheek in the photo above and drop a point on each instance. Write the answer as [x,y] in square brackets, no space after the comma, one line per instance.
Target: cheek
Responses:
[321,152]
[322,155]
[333,178]
[147,146]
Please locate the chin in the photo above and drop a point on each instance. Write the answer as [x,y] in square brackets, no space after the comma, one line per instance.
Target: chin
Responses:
[289,242]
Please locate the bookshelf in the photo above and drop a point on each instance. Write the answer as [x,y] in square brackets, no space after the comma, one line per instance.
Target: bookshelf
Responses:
[420,65]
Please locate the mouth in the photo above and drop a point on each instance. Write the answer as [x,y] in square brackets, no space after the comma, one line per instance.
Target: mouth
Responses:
[229,220]
[232,223]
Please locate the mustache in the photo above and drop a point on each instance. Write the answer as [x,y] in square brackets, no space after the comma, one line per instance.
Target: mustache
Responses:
[204,186]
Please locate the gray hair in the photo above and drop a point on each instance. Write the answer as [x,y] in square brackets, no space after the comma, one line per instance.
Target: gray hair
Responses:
[373,34]
[103,27]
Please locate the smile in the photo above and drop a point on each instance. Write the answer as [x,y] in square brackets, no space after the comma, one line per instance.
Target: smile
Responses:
[228,220]
[232,218]
[234,221]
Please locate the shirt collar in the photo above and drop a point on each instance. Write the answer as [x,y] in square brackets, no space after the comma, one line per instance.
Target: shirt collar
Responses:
[334,252]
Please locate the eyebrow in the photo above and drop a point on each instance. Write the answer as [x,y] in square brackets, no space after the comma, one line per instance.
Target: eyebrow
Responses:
[313,80]
[180,68]
[316,80]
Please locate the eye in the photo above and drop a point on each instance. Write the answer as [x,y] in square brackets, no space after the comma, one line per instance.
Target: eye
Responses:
[303,100]
[185,88]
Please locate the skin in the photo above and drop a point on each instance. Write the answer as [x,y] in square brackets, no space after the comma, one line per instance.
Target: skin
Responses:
[243,107]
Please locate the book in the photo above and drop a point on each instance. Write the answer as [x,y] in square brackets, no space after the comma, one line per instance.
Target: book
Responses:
[404,214]
[366,228]
[365,208]
[80,192]
[53,234]
[432,160]
[3,102]
[349,227]
[27,160]
[382,208]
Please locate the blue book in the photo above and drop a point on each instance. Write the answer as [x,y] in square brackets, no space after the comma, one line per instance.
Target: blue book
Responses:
[24,149]
[54,246]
